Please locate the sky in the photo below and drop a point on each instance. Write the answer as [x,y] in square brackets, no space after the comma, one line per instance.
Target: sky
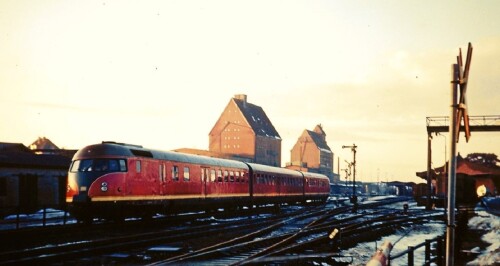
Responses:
[160,73]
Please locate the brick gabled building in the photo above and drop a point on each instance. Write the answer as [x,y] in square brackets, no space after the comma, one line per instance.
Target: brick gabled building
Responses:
[311,152]
[244,130]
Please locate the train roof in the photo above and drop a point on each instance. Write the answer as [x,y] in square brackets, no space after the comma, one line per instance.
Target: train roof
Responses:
[315,175]
[109,148]
[267,168]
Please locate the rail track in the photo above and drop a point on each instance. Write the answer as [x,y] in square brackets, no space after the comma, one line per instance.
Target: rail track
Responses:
[301,234]
[86,241]
[295,246]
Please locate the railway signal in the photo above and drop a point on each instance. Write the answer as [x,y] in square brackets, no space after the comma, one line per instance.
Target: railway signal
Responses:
[462,113]
[354,198]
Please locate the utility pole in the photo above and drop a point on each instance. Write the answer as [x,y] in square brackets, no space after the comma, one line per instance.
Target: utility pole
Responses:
[458,111]
[354,198]
[450,230]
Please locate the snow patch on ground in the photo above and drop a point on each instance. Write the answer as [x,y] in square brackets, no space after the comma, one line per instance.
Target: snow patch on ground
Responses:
[491,224]
[401,240]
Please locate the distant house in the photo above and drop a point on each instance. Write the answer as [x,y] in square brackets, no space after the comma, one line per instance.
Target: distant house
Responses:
[30,179]
[312,153]
[244,130]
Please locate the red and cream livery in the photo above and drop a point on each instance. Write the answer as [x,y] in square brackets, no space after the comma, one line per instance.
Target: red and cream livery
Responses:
[116,180]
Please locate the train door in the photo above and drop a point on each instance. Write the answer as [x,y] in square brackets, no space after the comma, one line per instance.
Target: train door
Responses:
[204,180]
[162,179]
[278,185]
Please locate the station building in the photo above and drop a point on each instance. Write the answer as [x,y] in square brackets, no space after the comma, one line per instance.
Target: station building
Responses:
[32,178]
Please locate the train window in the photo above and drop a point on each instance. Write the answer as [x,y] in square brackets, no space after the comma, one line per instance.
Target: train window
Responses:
[219,175]
[138,166]
[203,175]
[237,176]
[175,173]
[231,176]
[99,165]
[186,173]
[123,165]
[75,166]
[226,176]
[212,175]
[113,165]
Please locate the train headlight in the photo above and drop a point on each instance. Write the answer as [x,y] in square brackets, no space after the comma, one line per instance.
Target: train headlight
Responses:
[104,186]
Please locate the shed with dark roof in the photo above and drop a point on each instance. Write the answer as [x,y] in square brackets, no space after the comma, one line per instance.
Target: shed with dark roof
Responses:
[30,181]
[470,176]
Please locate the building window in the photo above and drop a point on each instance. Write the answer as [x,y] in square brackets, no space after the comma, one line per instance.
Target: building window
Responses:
[186,173]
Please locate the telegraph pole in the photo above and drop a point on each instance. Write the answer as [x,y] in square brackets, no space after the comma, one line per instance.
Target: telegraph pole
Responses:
[354,198]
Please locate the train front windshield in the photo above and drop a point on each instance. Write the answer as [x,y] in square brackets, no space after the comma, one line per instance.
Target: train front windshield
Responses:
[99,165]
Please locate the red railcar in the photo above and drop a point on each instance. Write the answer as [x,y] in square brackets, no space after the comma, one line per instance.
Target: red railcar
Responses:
[276,185]
[315,186]
[115,180]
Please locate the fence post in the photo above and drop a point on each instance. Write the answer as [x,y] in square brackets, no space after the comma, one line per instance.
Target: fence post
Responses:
[410,255]
[427,252]
[439,251]
[17,218]
[65,218]
[44,219]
